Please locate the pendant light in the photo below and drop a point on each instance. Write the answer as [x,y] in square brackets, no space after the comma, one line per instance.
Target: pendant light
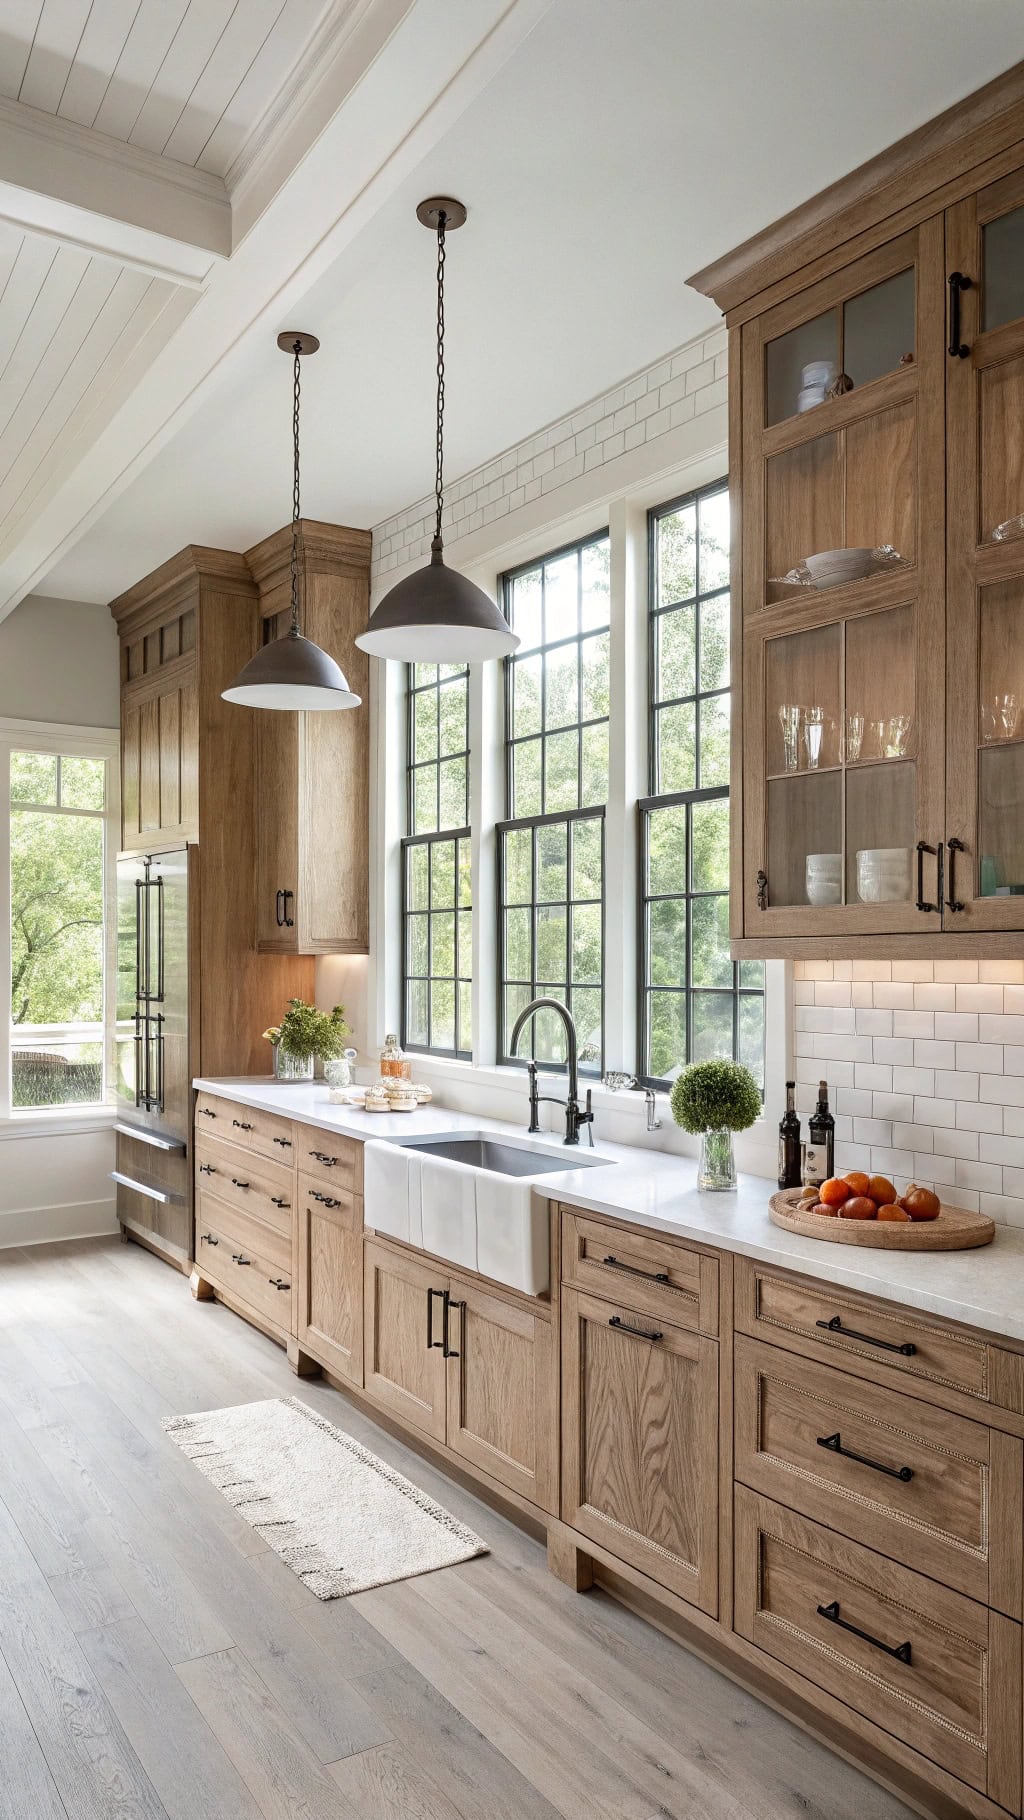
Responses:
[293,672]
[437,615]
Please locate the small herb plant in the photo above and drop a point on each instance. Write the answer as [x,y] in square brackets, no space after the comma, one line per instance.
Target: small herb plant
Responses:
[715,1096]
[305,1031]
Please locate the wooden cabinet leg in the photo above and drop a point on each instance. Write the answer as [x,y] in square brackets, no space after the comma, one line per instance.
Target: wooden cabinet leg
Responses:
[201,1289]
[300,1362]
[567,1561]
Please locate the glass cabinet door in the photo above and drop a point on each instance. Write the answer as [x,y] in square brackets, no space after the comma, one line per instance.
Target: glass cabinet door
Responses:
[984,856]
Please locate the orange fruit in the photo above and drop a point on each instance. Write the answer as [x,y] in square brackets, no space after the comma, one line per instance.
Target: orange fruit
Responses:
[881,1191]
[835,1191]
[859,1207]
[857,1181]
[894,1212]
[920,1203]
[823,1207]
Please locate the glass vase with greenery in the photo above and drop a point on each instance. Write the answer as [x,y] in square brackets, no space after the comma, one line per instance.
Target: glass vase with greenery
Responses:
[714,1099]
[303,1034]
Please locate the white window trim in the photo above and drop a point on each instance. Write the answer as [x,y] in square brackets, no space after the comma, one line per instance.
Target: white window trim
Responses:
[77,742]
[625,515]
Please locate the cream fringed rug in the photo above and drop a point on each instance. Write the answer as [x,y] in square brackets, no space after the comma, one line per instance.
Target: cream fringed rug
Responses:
[341,1518]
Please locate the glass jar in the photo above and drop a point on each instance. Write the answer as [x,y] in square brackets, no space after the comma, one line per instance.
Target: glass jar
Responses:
[393,1064]
[292,1067]
[340,1076]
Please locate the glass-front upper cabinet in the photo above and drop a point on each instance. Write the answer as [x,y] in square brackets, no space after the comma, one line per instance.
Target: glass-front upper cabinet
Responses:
[843,614]
[984,858]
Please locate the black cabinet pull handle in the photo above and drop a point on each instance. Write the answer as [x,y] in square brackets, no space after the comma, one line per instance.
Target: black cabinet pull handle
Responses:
[241,1124]
[208,1239]
[207,1169]
[235,1183]
[922,849]
[762,890]
[237,1258]
[279,908]
[835,1445]
[431,1293]
[640,1332]
[207,1114]
[320,1156]
[449,1352]
[278,1283]
[288,922]
[954,846]
[278,1200]
[285,1143]
[835,1325]
[901,1651]
[630,1270]
[957,281]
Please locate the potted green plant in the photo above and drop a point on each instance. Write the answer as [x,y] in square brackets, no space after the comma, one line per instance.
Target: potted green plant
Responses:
[715,1099]
[303,1034]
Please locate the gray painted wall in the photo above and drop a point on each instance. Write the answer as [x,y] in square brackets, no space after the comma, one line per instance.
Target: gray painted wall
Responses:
[58,662]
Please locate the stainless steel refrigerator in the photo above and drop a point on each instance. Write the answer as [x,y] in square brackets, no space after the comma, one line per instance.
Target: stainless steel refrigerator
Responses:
[152,1072]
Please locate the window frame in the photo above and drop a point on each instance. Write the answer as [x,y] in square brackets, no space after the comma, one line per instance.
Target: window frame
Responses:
[412,765]
[512,825]
[70,742]
[434,838]
[429,837]
[656,611]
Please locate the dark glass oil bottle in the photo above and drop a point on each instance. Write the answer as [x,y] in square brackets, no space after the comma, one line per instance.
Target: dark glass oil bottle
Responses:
[789,1142]
[821,1148]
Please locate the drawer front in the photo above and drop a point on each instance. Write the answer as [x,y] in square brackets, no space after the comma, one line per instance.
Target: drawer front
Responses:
[243,1230]
[869,1338]
[655,1276]
[316,1197]
[241,1180]
[928,1666]
[918,1484]
[266,1134]
[255,1278]
[332,1160]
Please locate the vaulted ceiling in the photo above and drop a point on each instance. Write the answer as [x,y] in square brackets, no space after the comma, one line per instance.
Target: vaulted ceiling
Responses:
[180,179]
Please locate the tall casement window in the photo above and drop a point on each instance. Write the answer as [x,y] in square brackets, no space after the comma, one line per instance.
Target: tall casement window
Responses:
[57,824]
[551,847]
[696,1003]
[437,911]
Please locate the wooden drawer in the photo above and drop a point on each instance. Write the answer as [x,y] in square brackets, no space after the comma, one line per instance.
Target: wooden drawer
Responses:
[332,1159]
[265,1134]
[836,1614]
[342,1208]
[229,1262]
[656,1276]
[241,1180]
[876,1340]
[245,1231]
[917,1483]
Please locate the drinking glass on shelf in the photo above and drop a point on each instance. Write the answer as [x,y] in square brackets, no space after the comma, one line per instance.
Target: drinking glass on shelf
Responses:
[853,739]
[876,738]
[789,715]
[897,735]
[1007,708]
[814,734]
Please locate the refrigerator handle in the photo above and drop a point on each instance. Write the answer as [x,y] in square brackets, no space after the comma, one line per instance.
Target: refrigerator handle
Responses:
[139,1061]
[155,1082]
[159,993]
[139,887]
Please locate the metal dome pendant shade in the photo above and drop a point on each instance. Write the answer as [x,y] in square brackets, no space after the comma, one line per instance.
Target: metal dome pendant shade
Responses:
[292,672]
[438,615]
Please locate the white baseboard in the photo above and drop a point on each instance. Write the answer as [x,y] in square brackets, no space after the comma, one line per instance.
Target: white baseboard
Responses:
[45,1225]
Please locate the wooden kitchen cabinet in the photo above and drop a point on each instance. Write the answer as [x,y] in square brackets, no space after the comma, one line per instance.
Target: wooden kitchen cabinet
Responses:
[878,745]
[312,835]
[404,1366]
[503,1391]
[329,1318]
[640,1442]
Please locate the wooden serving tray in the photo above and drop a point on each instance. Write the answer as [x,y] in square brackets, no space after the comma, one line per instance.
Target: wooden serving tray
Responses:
[956,1229]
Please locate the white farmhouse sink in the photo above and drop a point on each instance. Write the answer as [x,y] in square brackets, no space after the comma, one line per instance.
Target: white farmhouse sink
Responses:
[479,1200]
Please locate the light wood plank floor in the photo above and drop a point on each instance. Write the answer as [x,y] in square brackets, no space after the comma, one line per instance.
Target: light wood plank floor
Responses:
[157,1662]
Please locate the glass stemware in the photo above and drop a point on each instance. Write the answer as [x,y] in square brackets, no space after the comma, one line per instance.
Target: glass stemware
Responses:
[789,715]
[854,738]
[814,734]
[897,735]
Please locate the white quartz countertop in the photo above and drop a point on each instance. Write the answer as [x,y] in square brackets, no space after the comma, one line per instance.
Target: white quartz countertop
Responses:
[984,1288]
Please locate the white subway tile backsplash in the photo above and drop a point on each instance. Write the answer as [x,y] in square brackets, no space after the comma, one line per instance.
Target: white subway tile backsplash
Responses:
[855,1101]
[935,1112]
[955,971]
[872,970]
[897,995]
[893,1106]
[931,997]
[931,1169]
[972,1117]
[875,1075]
[1005,1207]
[912,970]
[982,1176]
[914,1080]
[913,1023]
[1001,1029]
[980,998]
[1002,1089]
[1003,973]
[1002,1150]
[958,1026]
[955,1084]
[872,1131]
[957,1143]
[983,1058]
[1013,1059]
[931,1054]
[834,992]
[899,1050]
[885,1161]
[877,1023]
[1013,1120]
[1013,1000]
[913,1137]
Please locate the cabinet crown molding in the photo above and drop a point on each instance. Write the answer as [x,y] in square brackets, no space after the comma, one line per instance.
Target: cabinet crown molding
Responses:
[179,579]
[321,545]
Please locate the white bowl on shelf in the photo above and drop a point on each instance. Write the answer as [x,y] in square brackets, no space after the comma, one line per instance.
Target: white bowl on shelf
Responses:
[834,568]
[824,879]
[883,875]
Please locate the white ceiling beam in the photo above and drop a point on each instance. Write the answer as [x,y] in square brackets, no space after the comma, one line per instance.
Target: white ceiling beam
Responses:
[116,201]
[406,76]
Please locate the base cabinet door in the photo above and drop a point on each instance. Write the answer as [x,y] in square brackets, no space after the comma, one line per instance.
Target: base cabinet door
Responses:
[503,1392]
[329,1318]
[640,1443]
[404,1367]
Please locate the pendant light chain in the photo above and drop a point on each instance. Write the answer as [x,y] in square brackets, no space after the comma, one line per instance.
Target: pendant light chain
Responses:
[294,629]
[439,477]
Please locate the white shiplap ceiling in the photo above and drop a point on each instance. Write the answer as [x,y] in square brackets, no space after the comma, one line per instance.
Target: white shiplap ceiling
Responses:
[187,79]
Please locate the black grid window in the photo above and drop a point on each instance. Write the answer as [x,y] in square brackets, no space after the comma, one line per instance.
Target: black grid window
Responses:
[551,937]
[696,1002]
[551,850]
[437,915]
[556,685]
